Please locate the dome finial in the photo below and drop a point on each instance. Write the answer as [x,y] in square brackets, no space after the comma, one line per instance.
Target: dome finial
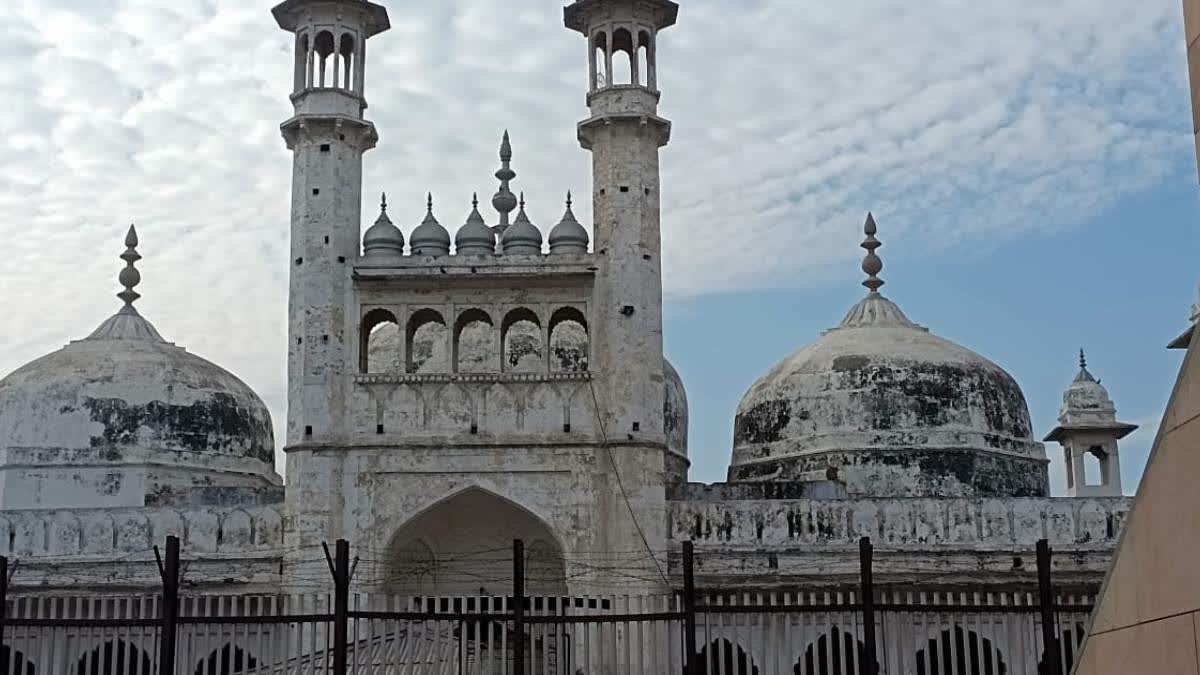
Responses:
[504,201]
[429,203]
[568,200]
[383,202]
[1082,359]
[872,265]
[130,277]
[475,200]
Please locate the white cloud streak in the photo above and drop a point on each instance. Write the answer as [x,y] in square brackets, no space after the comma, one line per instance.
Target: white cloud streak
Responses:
[957,122]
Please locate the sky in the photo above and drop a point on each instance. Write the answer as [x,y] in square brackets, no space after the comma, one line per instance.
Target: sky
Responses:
[1030,166]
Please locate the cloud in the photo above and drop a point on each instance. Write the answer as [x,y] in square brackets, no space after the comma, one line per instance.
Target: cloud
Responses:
[957,123]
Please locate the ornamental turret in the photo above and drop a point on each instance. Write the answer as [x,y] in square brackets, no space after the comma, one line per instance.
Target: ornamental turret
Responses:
[327,135]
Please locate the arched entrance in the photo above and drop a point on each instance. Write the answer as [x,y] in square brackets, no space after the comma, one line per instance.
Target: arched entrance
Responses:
[463,546]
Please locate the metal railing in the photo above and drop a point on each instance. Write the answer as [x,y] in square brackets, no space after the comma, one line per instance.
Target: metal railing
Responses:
[859,629]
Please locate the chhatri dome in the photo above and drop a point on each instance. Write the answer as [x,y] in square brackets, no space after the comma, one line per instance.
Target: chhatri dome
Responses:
[124,418]
[891,410]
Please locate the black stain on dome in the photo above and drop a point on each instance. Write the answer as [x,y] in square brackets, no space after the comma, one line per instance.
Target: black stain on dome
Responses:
[216,425]
[762,423]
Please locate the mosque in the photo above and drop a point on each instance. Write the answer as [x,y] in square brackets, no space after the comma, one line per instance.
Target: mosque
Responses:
[449,393]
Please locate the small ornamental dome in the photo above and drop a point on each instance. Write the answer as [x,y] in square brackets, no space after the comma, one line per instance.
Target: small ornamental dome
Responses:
[124,418]
[475,237]
[892,409]
[1087,406]
[522,237]
[675,423]
[430,238]
[383,239]
[568,236]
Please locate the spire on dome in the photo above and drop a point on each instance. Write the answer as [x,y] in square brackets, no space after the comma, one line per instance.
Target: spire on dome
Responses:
[430,238]
[475,237]
[522,237]
[130,277]
[383,238]
[1083,375]
[127,324]
[871,264]
[504,201]
[568,236]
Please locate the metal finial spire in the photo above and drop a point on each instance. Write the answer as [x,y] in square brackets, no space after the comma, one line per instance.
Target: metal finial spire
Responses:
[522,202]
[504,201]
[1082,359]
[475,200]
[568,200]
[130,277]
[872,265]
[429,202]
[383,202]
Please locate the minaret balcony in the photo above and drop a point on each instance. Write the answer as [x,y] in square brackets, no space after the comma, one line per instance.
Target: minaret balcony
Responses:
[328,101]
[623,99]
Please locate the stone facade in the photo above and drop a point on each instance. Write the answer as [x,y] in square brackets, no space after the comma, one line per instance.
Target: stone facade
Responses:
[450,393]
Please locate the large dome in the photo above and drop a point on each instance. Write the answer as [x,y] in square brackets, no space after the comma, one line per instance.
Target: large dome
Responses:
[892,410]
[125,418]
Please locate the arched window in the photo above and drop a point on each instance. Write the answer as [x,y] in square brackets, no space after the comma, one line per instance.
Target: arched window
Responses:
[379,343]
[725,657]
[600,61]
[323,47]
[522,337]
[426,343]
[114,658]
[645,63]
[838,652]
[1095,466]
[622,57]
[346,56]
[969,654]
[475,343]
[568,341]
[227,660]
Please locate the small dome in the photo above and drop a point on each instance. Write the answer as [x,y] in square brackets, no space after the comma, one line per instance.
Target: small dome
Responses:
[383,239]
[568,236]
[675,424]
[124,418]
[430,238]
[475,237]
[522,237]
[894,410]
[1087,406]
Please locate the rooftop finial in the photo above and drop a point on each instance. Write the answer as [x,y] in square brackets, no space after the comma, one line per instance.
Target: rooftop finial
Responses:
[504,201]
[1082,359]
[130,277]
[568,200]
[383,202]
[522,202]
[871,264]
[475,200]
[429,202]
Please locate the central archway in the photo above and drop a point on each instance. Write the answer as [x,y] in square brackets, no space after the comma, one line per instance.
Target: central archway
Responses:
[462,545]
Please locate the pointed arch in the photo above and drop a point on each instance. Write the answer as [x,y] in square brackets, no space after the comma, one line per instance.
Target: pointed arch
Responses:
[465,544]
[964,653]
[227,660]
[115,657]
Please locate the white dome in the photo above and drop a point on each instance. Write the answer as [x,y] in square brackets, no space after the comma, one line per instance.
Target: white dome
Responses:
[894,410]
[124,418]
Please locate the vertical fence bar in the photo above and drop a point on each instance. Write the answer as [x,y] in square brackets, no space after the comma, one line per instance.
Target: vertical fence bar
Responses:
[518,644]
[866,553]
[169,611]
[341,605]
[4,600]
[689,611]
[1046,602]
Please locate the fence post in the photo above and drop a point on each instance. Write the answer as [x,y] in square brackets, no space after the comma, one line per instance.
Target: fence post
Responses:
[518,641]
[341,605]
[691,667]
[3,601]
[866,554]
[170,607]
[1046,602]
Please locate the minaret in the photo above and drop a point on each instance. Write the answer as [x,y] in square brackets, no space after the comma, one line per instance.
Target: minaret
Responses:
[624,134]
[1087,424]
[327,136]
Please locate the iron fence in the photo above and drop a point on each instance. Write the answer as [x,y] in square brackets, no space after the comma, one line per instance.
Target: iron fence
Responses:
[859,630]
